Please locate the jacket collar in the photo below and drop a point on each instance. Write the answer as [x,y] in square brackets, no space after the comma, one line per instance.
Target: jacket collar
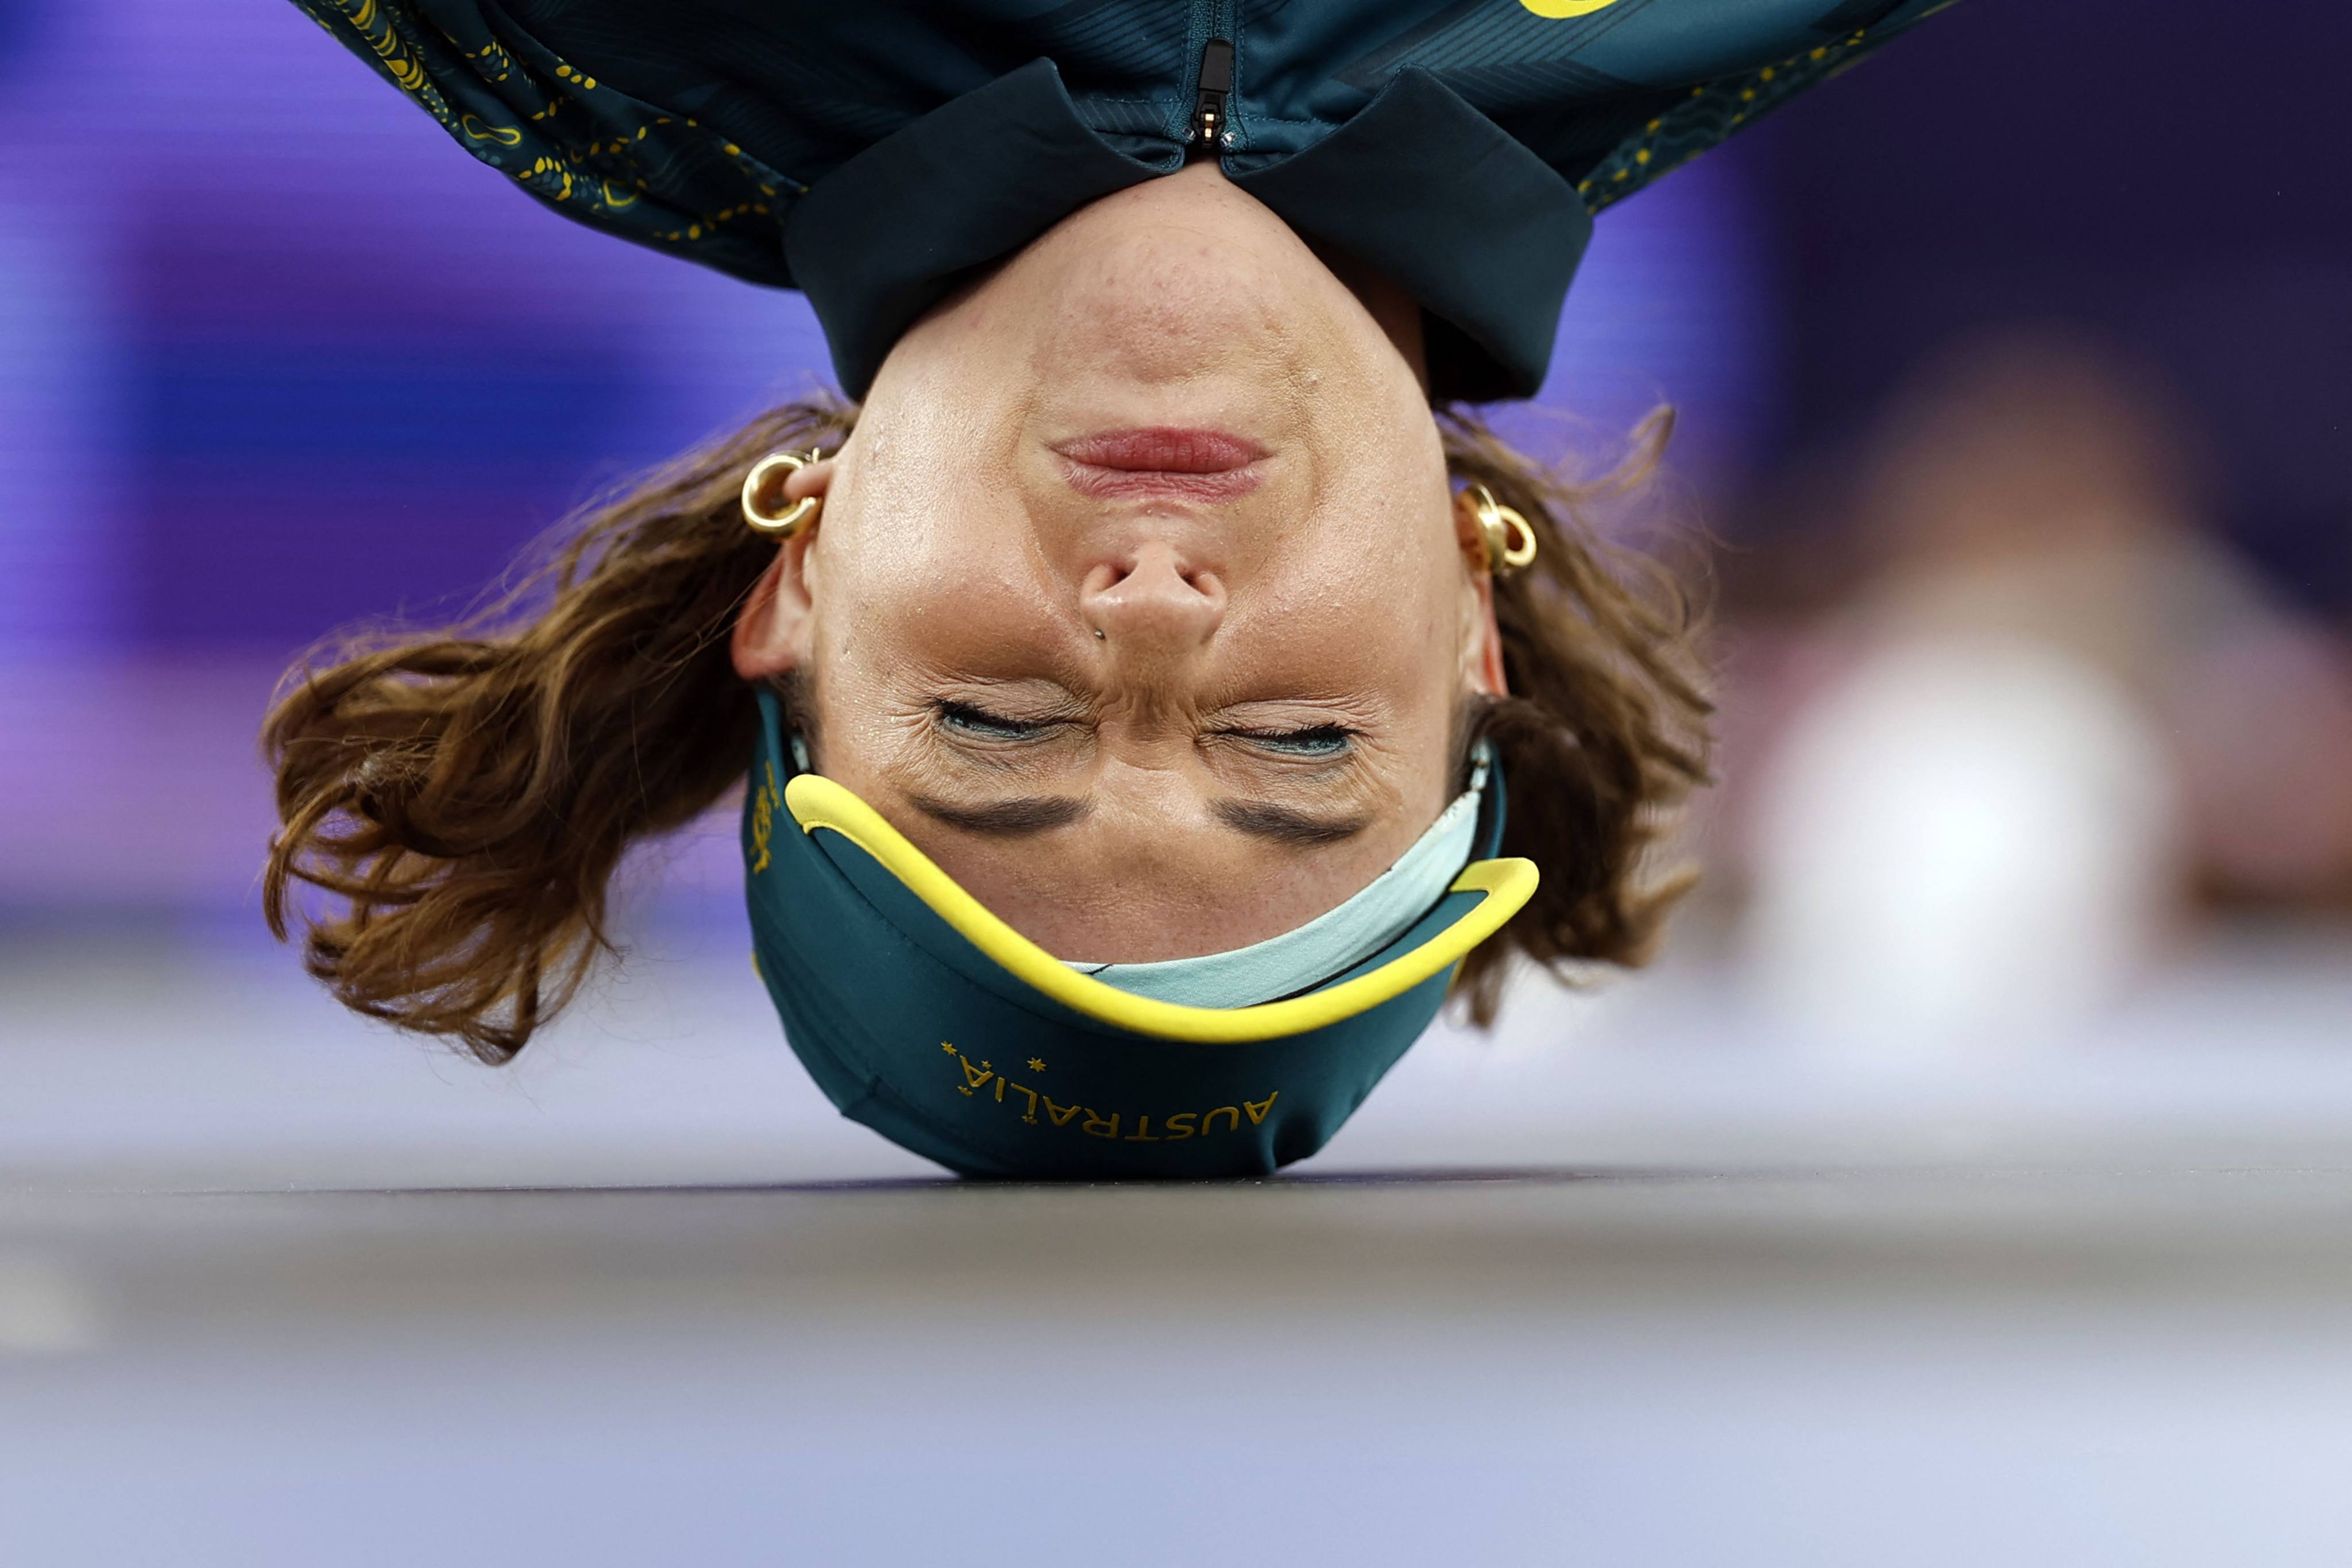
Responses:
[1417,183]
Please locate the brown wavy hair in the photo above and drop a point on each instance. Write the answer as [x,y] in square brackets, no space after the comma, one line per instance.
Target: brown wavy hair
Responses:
[463,797]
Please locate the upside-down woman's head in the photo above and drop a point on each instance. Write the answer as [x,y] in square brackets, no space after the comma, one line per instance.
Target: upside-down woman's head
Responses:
[1139,597]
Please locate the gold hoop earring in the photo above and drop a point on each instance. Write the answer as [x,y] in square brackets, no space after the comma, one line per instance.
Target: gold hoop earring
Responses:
[793,519]
[1510,542]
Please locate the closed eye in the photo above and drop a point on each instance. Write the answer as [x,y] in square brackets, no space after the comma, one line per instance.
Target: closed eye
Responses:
[979,724]
[1320,740]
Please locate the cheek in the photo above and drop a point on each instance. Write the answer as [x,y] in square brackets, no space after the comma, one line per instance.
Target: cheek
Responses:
[1376,581]
[926,549]
[909,596]
[923,512]
[929,477]
[1374,609]
[1382,508]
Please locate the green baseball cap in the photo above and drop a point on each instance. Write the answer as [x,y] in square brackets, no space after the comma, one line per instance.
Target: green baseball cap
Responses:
[929,1019]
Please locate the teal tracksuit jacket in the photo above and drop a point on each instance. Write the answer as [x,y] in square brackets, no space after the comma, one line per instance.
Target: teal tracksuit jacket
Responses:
[874,154]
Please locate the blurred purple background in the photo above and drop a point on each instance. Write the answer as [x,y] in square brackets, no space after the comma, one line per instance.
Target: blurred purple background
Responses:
[2015,373]
[257,316]
[264,335]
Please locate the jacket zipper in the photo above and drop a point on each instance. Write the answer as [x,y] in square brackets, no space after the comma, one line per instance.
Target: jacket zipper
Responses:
[1209,108]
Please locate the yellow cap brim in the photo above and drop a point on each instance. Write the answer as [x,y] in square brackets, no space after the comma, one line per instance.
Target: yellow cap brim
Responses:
[1506,885]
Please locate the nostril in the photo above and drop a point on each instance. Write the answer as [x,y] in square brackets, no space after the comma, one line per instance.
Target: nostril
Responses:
[1151,601]
[1154,562]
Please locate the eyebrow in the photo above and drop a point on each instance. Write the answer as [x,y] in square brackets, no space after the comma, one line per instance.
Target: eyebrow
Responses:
[1008,818]
[1266,820]
[1025,814]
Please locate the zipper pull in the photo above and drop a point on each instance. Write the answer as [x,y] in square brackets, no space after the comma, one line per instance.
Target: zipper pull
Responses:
[1216,81]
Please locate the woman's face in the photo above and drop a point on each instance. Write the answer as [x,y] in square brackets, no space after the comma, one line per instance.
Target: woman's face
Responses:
[1138,600]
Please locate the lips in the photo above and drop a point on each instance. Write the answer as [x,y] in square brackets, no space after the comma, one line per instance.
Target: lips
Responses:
[1164,461]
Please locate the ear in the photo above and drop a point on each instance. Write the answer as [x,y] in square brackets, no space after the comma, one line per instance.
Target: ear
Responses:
[775,630]
[1482,651]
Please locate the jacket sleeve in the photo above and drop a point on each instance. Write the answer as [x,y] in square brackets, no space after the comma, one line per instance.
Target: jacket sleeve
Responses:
[577,144]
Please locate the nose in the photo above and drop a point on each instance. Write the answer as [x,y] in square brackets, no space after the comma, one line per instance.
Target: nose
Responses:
[1151,604]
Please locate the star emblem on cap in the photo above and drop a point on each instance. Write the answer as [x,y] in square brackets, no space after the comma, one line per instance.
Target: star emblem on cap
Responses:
[1036,1064]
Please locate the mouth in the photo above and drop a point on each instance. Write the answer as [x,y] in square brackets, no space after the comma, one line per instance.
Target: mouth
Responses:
[1164,462]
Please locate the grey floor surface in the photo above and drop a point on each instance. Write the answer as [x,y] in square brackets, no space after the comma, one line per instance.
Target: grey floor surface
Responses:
[1629,1283]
